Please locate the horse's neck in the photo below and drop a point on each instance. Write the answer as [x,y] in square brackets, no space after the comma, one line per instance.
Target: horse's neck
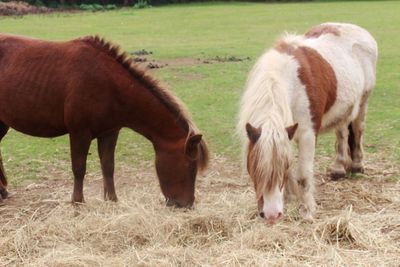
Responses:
[146,114]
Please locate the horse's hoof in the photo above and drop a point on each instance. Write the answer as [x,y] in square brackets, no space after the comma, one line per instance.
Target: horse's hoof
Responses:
[306,215]
[3,193]
[335,175]
[113,198]
[308,218]
[77,200]
[358,168]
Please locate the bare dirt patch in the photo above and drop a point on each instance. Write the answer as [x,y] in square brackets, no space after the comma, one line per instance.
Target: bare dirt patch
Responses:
[357,223]
[226,59]
[144,59]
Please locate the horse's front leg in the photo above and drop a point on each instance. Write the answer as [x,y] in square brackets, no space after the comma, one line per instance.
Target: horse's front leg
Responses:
[106,148]
[80,143]
[305,174]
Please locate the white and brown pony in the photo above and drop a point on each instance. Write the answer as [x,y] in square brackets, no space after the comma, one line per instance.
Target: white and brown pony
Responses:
[303,86]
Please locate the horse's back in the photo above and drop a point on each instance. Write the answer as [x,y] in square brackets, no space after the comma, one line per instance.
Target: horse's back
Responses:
[335,68]
[36,77]
[350,49]
[352,53]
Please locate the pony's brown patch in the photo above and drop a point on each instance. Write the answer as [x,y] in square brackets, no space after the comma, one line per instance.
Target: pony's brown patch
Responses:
[317,76]
[319,30]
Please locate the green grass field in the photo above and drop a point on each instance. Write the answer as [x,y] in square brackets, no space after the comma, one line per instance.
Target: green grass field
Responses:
[211,91]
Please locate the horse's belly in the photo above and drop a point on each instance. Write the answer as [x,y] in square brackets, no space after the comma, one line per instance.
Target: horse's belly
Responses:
[341,114]
[33,110]
[41,131]
[44,123]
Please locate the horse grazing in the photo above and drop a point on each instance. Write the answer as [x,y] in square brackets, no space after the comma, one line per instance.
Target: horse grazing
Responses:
[303,86]
[89,89]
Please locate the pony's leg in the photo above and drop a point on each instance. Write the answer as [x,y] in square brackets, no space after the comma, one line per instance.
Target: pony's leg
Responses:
[3,177]
[80,144]
[355,138]
[291,187]
[342,161]
[305,178]
[106,148]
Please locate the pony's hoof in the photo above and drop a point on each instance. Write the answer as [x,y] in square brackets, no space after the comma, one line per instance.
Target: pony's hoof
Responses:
[357,168]
[337,174]
[306,215]
[308,218]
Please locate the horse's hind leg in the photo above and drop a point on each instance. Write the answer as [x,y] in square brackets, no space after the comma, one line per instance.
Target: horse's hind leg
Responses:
[356,129]
[3,178]
[342,161]
[3,181]
[106,148]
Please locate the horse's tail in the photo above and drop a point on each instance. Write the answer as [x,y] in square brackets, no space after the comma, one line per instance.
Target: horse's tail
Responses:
[351,140]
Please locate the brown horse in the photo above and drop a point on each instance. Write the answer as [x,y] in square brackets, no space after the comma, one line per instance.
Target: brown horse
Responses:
[88,89]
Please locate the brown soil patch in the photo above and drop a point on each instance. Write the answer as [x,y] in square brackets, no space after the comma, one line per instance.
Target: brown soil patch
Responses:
[144,59]
[357,223]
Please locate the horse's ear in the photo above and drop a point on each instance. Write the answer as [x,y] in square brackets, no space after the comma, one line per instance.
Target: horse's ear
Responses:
[191,148]
[291,130]
[253,133]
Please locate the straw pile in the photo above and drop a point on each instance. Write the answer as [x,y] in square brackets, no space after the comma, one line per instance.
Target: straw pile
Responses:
[357,224]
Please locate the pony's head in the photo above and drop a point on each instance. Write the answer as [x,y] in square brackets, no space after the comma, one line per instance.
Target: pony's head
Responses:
[268,162]
[177,165]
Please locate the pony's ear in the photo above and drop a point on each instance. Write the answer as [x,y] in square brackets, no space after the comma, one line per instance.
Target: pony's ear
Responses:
[191,146]
[291,130]
[253,133]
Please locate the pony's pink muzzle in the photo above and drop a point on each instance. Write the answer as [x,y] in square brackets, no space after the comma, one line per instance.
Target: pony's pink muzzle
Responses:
[271,218]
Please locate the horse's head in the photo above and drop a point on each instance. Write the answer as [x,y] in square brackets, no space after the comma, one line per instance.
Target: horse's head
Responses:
[268,162]
[177,165]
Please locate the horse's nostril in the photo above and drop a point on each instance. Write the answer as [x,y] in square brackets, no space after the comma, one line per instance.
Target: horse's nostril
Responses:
[262,214]
[280,214]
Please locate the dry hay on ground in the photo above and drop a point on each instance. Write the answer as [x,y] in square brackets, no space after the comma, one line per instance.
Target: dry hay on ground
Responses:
[17,8]
[357,224]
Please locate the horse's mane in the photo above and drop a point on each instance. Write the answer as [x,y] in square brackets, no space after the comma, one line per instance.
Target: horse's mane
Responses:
[165,96]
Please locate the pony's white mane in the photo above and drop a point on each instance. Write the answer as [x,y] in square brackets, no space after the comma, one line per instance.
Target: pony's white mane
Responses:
[265,104]
[292,39]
